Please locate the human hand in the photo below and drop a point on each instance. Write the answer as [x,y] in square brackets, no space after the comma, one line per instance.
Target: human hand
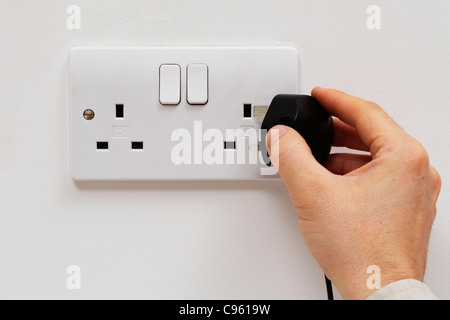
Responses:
[361,210]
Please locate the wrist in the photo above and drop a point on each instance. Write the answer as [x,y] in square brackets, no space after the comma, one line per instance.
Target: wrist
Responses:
[365,283]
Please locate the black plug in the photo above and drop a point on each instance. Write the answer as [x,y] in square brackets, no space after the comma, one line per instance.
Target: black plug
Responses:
[305,115]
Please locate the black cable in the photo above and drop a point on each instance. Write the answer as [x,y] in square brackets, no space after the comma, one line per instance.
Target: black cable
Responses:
[329,288]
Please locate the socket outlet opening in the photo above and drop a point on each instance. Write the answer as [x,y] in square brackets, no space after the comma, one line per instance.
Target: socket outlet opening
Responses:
[229,145]
[120,112]
[102,145]
[247,110]
[137,145]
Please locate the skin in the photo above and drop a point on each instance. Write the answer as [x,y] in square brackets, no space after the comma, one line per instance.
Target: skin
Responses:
[361,210]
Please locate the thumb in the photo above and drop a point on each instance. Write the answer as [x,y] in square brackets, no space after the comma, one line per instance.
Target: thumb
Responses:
[294,161]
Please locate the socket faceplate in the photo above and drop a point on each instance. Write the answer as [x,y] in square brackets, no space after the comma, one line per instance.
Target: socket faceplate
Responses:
[131,135]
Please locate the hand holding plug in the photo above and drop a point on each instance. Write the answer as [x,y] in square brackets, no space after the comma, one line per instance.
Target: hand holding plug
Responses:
[360,210]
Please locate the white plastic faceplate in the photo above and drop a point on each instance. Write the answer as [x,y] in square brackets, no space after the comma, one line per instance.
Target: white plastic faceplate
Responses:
[140,131]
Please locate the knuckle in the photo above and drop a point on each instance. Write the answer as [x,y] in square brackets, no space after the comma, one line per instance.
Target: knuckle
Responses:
[374,105]
[436,179]
[418,157]
[432,215]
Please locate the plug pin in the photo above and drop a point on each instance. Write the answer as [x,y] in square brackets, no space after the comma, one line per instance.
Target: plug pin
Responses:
[259,112]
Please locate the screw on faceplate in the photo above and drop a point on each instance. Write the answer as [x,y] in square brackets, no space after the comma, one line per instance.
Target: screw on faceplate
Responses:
[88,114]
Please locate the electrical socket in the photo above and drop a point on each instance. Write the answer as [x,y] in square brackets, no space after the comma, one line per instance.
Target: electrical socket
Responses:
[133,110]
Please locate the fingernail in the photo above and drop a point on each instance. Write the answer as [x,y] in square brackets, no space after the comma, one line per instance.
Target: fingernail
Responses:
[316,88]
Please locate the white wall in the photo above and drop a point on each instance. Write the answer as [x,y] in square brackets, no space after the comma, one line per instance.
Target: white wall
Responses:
[196,240]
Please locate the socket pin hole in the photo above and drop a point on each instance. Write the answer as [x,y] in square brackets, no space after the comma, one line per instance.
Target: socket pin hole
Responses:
[247,110]
[229,145]
[119,111]
[102,145]
[137,145]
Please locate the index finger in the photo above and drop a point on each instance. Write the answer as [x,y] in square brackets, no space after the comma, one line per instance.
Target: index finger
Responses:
[374,126]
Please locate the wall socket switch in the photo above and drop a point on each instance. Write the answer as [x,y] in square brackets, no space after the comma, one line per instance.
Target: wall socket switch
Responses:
[174,113]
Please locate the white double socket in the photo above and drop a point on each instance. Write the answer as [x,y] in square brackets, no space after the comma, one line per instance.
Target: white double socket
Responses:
[125,126]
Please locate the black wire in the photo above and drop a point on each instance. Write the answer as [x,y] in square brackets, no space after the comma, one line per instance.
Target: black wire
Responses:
[329,288]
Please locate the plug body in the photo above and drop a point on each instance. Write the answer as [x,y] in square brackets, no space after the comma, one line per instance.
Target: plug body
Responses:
[304,114]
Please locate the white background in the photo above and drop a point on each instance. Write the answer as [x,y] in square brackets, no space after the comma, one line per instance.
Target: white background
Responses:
[197,240]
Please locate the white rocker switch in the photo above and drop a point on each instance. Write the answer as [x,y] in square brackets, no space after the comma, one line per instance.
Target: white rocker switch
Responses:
[197,84]
[170,84]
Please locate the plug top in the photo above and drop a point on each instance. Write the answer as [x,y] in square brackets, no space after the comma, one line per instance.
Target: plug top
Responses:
[304,114]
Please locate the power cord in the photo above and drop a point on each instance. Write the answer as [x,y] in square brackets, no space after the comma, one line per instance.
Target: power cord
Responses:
[329,288]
